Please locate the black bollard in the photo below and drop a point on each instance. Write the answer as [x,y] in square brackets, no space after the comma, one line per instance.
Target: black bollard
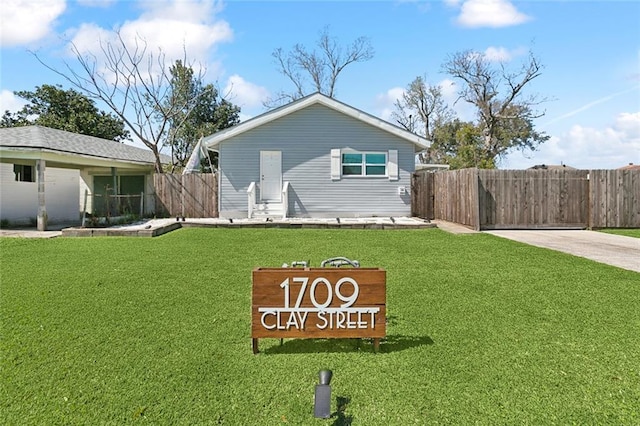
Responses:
[322,400]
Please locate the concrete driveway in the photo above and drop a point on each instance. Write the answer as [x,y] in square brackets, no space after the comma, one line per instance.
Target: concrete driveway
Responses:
[616,250]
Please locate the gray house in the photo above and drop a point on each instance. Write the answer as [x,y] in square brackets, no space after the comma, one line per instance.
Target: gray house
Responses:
[315,157]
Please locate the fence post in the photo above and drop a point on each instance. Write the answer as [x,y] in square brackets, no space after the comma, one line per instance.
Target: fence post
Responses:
[475,196]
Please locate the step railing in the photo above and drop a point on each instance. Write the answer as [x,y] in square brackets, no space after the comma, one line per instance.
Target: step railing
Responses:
[285,200]
[251,199]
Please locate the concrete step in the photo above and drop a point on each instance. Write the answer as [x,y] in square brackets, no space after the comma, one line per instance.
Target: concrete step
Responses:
[268,210]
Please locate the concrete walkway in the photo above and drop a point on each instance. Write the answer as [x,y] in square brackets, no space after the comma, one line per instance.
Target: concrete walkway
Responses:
[616,250]
[28,233]
[155,227]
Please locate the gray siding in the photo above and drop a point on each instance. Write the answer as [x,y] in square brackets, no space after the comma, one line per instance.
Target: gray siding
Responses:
[306,138]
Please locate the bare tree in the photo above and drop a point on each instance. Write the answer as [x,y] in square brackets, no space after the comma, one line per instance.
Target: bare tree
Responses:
[498,95]
[422,108]
[317,70]
[134,83]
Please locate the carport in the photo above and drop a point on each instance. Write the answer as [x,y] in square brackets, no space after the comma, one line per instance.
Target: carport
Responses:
[36,151]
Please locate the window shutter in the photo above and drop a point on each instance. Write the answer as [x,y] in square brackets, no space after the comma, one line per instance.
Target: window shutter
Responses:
[335,164]
[392,165]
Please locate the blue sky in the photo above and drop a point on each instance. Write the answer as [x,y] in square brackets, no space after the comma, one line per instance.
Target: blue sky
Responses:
[590,50]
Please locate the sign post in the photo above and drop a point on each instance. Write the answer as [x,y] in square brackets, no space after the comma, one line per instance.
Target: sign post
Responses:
[318,303]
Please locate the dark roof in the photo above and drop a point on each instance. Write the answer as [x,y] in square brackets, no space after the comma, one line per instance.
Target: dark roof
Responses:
[45,138]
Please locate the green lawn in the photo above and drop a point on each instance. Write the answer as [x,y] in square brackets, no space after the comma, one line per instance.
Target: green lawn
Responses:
[635,232]
[481,330]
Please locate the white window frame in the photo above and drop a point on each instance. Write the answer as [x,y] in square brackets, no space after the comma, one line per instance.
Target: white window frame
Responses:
[363,164]
[391,164]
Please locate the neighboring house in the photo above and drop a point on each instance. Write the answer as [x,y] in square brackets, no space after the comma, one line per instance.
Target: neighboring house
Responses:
[551,167]
[68,165]
[315,157]
[630,166]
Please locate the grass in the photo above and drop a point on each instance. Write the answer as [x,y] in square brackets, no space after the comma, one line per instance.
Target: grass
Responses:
[481,330]
[631,232]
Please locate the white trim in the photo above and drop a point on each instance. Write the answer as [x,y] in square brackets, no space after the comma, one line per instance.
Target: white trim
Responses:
[363,163]
[336,164]
[392,164]
[317,98]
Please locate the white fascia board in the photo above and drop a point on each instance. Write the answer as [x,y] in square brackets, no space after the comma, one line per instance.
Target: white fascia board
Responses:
[68,160]
[213,140]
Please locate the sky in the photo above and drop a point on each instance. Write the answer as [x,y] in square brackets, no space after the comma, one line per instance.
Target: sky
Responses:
[590,51]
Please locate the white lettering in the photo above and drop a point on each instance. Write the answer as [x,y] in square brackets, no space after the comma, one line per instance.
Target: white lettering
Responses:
[264,324]
[346,316]
[292,321]
[304,281]
[321,317]
[302,316]
[327,302]
[285,286]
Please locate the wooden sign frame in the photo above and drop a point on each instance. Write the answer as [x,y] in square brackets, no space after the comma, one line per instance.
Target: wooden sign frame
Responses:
[318,303]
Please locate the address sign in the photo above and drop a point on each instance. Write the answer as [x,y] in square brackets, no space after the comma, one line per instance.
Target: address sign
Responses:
[318,303]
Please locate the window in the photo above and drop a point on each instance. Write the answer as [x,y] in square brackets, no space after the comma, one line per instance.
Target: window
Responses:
[355,163]
[23,173]
[364,164]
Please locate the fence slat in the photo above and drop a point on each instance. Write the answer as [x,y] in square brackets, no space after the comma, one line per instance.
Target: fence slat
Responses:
[194,195]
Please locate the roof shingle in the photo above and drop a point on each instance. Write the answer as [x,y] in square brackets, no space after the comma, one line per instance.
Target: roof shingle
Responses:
[39,137]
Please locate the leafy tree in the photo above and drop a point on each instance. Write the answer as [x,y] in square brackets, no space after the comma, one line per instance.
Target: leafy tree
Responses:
[69,110]
[505,114]
[317,70]
[203,112]
[459,144]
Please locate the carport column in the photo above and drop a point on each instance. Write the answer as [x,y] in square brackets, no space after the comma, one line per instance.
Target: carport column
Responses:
[42,209]
[115,207]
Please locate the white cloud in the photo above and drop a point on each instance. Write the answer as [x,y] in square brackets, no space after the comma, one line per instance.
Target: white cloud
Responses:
[10,102]
[96,3]
[588,148]
[497,54]
[502,54]
[449,90]
[175,27]
[490,13]
[243,93]
[628,125]
[385,103]
[24,21]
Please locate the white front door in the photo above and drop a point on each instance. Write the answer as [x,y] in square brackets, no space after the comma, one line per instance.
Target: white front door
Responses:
[271,176]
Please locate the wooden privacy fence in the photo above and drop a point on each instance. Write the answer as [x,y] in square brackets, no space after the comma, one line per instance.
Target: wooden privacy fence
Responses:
[614,199]
[492,199]
[191,195]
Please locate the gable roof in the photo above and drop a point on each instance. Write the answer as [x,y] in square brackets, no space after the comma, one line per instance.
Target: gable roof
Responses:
[315,99]
[42,138]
